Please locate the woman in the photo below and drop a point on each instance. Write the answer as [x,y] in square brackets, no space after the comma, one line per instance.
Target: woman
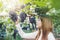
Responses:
[44,31]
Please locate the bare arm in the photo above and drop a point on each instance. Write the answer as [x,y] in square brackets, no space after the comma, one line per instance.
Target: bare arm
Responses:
[26,35]
[15,19]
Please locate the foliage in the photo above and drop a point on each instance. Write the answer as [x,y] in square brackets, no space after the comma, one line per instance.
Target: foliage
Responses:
[50,4]
[56,4]
[1,6]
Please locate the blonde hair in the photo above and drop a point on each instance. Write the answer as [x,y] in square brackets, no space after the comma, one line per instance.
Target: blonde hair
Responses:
[46,28]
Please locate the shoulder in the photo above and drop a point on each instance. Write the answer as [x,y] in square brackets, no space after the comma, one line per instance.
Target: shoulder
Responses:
[51,36]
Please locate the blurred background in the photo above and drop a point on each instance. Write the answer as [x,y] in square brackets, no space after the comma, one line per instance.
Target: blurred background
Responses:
[30,9]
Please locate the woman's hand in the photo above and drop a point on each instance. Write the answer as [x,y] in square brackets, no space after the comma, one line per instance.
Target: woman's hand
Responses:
[17,22]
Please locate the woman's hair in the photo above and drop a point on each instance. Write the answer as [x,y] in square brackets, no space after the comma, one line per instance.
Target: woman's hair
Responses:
[46,28]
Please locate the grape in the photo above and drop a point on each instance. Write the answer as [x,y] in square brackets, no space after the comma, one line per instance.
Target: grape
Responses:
[13,16]
[14,34]
[32,20]
[23,16]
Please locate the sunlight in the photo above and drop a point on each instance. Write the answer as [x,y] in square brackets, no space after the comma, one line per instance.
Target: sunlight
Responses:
[9,4]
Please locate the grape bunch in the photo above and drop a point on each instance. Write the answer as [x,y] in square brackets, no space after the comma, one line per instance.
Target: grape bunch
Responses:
[14,34]
[32,20]
[23,16]
[13,16]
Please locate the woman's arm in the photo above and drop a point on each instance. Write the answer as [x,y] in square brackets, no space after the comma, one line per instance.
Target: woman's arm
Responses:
[51,36]
[15,19]
[25,35]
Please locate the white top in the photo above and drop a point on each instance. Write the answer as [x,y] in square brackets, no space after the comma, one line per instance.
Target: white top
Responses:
[33,34]
[26,35]
[50,36]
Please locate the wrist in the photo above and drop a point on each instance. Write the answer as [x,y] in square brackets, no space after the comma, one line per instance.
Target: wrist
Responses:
[16,22]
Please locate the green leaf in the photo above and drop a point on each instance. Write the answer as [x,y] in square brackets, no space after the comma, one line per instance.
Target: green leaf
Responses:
[1,4]
[56,4]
